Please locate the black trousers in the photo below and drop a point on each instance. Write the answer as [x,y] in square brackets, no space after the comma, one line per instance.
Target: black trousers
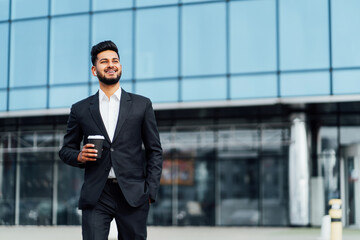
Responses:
[130,221]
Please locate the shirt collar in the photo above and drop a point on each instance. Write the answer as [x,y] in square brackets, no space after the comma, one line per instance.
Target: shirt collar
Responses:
[102,95]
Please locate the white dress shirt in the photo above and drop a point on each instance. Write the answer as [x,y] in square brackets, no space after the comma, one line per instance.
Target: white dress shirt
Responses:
[109,110]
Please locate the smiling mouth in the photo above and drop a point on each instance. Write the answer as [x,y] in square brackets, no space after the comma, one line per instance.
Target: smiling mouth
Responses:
[111,72]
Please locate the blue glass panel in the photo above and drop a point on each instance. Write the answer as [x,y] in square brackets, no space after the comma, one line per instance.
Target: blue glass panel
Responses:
[94,88]
[4,13]
[194,89]
[252,46]
[66,96]
[190,1]
[4,44]
[301,84]
[28,61]
[304,34]
[123,38]
[203,39]
[69,6]
[256,86]
[127,86]
[159,91]
[346,82]
[70,52]
[3,100]
[111,4]
[142,3]
[22,99]
[26,8]
[157,43]
[345,33]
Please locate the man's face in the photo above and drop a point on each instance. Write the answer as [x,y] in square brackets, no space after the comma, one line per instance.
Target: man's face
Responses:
[108,68]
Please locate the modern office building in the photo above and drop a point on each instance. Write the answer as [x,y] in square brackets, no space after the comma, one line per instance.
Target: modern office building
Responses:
[257,102]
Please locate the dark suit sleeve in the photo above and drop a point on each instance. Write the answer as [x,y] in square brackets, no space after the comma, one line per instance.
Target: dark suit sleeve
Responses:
[72,140]
[153,151]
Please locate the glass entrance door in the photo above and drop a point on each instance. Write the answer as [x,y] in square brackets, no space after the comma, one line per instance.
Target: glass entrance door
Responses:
[350,183]
[239,191]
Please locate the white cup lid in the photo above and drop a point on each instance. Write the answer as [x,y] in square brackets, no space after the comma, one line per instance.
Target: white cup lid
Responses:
[96,137]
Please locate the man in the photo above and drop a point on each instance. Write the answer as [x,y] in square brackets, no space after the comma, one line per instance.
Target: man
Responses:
[124,181]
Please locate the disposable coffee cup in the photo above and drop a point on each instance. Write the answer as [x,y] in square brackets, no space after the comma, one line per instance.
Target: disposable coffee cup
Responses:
[97,140]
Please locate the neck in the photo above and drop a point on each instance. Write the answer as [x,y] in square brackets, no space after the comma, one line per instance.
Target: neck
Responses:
[109,90]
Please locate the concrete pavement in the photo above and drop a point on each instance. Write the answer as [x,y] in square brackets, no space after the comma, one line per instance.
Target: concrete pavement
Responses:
[177,233]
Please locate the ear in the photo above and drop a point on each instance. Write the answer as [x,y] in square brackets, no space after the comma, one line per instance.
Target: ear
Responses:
[93,71]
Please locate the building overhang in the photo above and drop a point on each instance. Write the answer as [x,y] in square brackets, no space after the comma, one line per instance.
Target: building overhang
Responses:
[203,104]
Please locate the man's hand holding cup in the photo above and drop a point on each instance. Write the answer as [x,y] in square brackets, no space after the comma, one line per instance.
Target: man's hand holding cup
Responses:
[92,150]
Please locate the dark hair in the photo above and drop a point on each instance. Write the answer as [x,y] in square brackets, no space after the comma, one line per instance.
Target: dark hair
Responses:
[100,47]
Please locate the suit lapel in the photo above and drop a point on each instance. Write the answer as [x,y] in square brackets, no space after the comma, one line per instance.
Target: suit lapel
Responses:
[95,113]
[125,106]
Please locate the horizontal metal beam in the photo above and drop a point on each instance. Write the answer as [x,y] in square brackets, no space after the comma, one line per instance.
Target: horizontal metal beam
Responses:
[203,104]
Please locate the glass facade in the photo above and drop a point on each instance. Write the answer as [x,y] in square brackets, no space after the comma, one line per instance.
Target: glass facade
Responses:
[296,48]
[223,165]
[31,54]
[304,34]
[211,176]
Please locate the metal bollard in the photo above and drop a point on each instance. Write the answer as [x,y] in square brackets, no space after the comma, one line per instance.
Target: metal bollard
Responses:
[336,224]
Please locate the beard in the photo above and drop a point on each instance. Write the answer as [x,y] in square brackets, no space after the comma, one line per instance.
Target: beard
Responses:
[109,81]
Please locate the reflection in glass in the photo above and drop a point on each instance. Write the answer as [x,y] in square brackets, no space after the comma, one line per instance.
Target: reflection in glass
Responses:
[238,177]
[28,53]
[190,168]
[157,43]
[36,188]
[328,162]
[161,211]
[304,34]
[70,180]
[239,196]
[203,39]
[226,175]
[7,184]
[194,175]
[352,177]
[349,134]
[69,53]
[274,185]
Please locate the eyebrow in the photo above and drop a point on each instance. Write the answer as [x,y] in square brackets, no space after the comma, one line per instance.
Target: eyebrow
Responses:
[107,59]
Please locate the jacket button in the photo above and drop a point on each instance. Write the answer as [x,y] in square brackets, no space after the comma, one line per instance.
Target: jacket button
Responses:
[111,149]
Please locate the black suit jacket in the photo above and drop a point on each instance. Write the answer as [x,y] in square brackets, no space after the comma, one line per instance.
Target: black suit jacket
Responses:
[138,174]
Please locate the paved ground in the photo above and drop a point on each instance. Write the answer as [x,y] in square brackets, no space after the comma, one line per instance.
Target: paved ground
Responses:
[177,233]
